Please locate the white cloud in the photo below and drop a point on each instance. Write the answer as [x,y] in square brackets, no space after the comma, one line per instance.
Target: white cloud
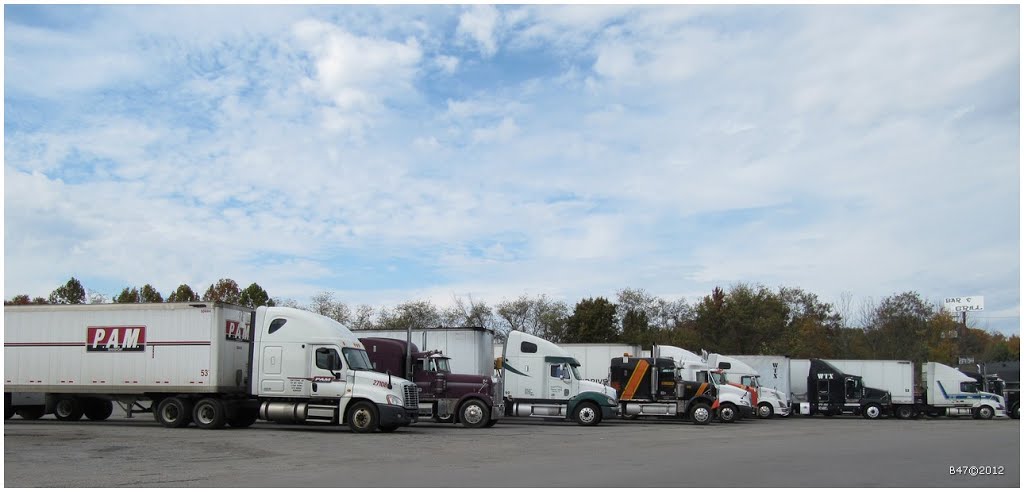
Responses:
[355,72]
[479,24]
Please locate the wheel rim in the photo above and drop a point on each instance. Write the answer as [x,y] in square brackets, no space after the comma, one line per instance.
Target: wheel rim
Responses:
[765,411]
[206,414]
[872,412]
[985,412]
[473,414]
[361,417]
[170,413]
[587,415]
[701,414]
[727,413]
[64,408]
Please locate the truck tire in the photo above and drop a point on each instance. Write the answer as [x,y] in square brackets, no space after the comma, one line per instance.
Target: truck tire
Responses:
[8,407]
[491,422]
[96,409]
[362,417]
[174,412]
[389,428]
[701,414]
[587,413]
[904,412]
[765,411]
[984,412]
[727,413]
[209,413]
[245,418]
[872,411]
[34,412]
[474,414]
[68,409]
[1015,411]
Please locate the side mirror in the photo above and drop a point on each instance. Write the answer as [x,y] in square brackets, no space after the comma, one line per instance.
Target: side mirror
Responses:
[335,363]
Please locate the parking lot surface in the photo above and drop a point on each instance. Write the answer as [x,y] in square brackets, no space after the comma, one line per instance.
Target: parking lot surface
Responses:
[793,452]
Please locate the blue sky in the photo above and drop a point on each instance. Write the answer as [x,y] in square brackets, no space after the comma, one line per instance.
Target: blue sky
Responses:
[401,153]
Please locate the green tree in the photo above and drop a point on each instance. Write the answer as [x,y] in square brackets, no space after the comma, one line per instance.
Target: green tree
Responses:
[40,300]
[19,300]
[183,293]
[417,314]
[709,321]
[150,294]
[225,290]
[70,293]
[636,330]
[899,328]
[323,303]
[128,296]
[592,321]
[812,328]
[254,296]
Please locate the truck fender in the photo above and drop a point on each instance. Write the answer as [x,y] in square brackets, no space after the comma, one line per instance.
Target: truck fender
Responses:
[475,396]
[600,398]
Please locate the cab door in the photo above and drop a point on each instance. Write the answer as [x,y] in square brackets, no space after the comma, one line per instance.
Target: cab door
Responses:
[559,381]
[328,372]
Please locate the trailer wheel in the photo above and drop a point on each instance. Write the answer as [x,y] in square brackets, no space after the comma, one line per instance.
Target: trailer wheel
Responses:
[474,414]
[96,409]
[209,413]
[362,417]
[765,411]
[872,411]
[587,413]
[174,412]
[727,413]
[8,407]
[34,412]
[245,418]
[904,412]
[68,409]
[701,414]
[984,413]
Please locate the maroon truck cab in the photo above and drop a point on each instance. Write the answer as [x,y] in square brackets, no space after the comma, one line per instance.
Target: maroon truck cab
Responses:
[474,400]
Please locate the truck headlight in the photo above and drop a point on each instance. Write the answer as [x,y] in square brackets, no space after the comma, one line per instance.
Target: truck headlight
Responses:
[394,400]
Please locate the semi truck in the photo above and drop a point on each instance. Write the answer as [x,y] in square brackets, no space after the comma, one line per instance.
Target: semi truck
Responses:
[993,382]
[209,363]
[824,389]
[655,387]
[734,403]
[469,348]
[472,400]
[769,401]
[542,380]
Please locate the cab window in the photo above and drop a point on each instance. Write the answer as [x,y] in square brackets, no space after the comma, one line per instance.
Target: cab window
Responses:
[969,387]
[328,359]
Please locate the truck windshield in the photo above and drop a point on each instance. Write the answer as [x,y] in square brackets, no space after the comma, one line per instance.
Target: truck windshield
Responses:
[717,378]
[576,372]
[439,364]
[357,359]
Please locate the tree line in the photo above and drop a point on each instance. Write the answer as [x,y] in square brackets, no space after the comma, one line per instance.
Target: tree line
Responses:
[743,320]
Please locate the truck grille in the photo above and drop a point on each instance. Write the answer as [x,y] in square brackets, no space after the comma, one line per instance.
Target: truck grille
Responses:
[412,397]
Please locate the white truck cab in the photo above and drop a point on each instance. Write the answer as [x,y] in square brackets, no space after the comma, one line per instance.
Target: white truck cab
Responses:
[310,368]
[734,403]
[542,380]
[955,393]
[769,401]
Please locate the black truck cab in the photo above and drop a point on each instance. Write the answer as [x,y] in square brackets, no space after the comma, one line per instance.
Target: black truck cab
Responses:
[832,392]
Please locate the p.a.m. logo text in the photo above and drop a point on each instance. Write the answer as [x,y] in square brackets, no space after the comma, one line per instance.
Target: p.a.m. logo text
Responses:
[116,339]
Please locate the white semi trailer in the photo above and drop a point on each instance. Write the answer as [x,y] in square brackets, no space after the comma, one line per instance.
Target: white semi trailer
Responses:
[208,363]
[468,348]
